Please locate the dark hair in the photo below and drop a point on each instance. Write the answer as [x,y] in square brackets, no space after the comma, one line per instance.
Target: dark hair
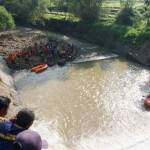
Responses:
[16,146]
[4,102]
[25,118]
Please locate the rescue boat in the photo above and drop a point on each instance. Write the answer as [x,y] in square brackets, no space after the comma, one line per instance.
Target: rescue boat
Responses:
[39,68]
[147,101]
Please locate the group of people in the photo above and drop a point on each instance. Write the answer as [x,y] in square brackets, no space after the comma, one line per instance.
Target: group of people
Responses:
[50,52]
[15,133]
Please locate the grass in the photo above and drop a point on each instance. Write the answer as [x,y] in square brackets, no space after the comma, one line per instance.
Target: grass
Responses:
[61,16]
[107,16]
[104,32]
[112,4]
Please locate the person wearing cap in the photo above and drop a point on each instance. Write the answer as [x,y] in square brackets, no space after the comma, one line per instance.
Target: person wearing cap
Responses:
[4,106]
[29,140]
[10,128]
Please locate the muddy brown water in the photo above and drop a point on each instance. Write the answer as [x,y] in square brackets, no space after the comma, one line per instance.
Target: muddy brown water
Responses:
[88,106]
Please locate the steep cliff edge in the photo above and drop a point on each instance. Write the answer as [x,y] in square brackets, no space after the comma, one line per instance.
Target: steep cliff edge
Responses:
[7,87]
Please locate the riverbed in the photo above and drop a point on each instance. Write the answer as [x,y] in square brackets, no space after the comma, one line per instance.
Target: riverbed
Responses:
[88,106]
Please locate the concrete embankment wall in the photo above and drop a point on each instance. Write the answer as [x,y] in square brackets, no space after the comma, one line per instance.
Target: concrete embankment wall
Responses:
[7,87]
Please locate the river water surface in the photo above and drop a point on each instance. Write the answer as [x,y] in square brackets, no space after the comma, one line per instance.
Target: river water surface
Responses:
[89,106]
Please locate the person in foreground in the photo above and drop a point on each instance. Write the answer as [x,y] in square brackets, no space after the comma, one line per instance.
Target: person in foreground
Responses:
[4,106]
[29,140]
[10,128]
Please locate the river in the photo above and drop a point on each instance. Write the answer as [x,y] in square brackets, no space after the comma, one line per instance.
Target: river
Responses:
[88,106]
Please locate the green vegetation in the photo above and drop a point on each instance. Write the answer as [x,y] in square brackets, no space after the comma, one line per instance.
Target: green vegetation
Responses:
[61,16]
[28,11]
[87,10]
[103,22]
[120,21]
[6,20]
[146,11]
[127,15]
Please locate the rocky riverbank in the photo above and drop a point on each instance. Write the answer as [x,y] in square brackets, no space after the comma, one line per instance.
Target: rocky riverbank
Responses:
[140,54]
[25,38]
[24,48]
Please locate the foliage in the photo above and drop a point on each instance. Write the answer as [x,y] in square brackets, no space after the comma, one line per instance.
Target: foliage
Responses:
[38,11]
[147,11]
[87,10]
[77,17]
[127,16]
[147,2]
[144,36]
[6,20]
[127,3]
[28,11]
[59,5]
[61,16]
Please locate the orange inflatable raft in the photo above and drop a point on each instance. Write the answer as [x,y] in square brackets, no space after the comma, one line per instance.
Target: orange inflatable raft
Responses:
[39,68]
[147,101]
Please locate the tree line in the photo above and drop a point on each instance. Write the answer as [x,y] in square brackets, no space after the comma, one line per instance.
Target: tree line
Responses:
[32,11]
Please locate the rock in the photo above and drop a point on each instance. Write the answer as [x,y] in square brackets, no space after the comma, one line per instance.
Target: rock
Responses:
[61,62]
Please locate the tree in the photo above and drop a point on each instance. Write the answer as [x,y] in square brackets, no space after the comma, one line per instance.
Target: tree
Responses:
[87,10]
[26,11]
[6,19]
[147,11]
[127,3]
[127,15]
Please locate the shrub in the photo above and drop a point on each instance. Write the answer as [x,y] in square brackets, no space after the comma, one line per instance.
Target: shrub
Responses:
[131,35]
[145,35]
[87,10]
[6,19]
[127,16]
[147,15]
[26,11]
